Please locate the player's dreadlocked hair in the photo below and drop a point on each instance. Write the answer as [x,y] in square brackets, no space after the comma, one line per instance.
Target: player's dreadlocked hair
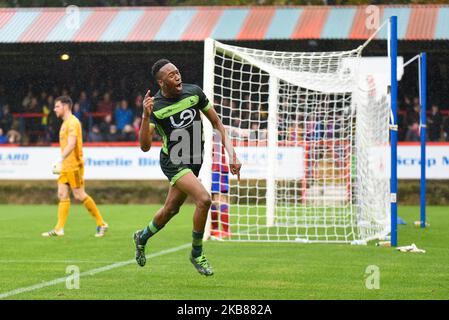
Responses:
[157,66]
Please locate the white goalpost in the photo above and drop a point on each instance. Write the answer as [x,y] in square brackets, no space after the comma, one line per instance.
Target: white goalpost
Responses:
[312,130]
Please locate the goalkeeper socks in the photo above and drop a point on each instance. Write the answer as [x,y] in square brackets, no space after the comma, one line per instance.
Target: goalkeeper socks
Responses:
[214,217]
[90,205]
[224,217]
[197,243]
[63,213]
[149,231]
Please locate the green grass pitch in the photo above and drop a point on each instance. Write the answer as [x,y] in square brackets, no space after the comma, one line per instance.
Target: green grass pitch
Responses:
[242,270]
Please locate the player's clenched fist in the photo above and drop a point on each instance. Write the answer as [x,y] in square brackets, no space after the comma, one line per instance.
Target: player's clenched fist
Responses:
[235,169]
[235,165]
[148,103]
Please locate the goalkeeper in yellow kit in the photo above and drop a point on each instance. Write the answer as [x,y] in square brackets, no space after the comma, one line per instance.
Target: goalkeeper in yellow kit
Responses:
[70,167]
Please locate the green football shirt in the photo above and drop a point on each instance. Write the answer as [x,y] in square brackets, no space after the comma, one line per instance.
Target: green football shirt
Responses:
[178,120]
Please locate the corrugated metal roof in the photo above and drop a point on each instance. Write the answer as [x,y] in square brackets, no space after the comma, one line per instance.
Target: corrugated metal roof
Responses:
[42,26]
[202,24]
[415,22]
[230,23]
[93,28]
[310,23]
[148,25]
[256,24]
[283,23]
[121,25]
[442,27]
[422,23]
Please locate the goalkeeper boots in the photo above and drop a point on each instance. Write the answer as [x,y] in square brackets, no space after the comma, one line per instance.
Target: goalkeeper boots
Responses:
[202,265]
[101,230]
[53,233]
[140,249]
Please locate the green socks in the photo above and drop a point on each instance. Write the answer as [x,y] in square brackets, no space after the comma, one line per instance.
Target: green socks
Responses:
[197,243]
[149,231]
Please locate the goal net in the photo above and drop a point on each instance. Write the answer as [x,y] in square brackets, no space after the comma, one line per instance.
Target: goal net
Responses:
[312,132]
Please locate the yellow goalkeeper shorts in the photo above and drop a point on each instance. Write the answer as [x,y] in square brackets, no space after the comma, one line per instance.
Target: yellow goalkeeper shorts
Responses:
[75,178]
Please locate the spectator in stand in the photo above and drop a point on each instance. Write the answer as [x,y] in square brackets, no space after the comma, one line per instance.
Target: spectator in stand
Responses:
[14,136]
[45,107]
[236,122]
[55,91]
[33,106]
[113,134]
[95,100]
[3,137]
[26,101]
[435,121]
[255,118]
[43,97]
[34,124]
[263,116]
[85,108]
[446,129]
[404,107]
[246,110]
[413,132]
[77,111]
[407,104]
[73,90]
[105,126]
[254,132]
[95,135]
[79,115]
[413,114]
[138,104]
[294,134]
[65,92]
[235,128]
[85,104]
[53,122]
[136,126]
[245,115]
[416,102]
[44,120]
[106,105]
[411,118]
[123,116]
[240,119]
[51,102]
[401,126]
[217,104]
[226,110]
[128,133]
[2,97]
[6,118]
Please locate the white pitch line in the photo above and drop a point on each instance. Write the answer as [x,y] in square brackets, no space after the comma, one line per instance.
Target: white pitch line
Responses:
[88,273]
[56,261]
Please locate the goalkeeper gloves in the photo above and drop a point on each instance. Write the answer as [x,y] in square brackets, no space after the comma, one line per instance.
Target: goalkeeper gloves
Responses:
[57,166]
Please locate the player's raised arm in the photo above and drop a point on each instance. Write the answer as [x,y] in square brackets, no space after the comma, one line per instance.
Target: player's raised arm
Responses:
[146,128]
[235,164]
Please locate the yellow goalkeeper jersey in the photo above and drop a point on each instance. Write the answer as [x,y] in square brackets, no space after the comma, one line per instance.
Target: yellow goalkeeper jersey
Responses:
[72,127]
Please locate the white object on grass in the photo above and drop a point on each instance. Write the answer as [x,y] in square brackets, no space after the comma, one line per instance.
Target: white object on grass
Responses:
[411,248]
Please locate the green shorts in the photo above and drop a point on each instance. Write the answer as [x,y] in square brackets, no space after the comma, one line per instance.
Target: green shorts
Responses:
[175,171]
